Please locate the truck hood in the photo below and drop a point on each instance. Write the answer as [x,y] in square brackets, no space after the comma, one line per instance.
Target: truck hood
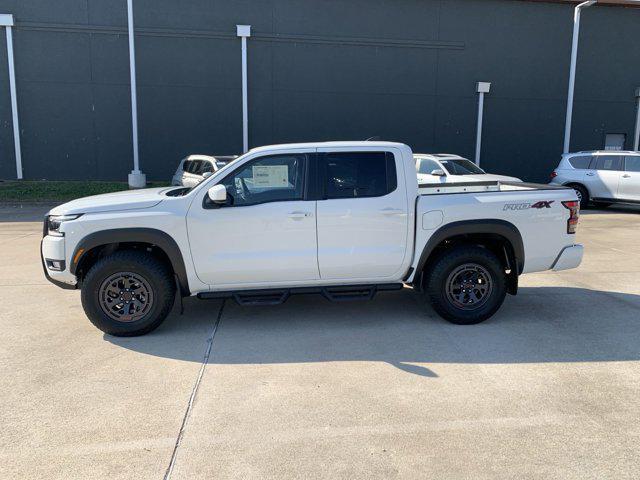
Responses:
[110,202]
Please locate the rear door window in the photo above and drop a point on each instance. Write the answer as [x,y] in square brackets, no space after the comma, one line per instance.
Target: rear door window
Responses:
[632,163]
[186,165]
[580,163]
[359,174]
[609,162]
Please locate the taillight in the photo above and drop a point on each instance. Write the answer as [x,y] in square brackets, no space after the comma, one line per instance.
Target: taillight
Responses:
[574,213]
[553,175]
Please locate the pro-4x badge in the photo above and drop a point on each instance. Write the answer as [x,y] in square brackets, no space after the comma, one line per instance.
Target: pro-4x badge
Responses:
[526,206]
[543,204]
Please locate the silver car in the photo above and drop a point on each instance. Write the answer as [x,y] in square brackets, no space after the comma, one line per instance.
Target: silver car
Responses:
[602,177]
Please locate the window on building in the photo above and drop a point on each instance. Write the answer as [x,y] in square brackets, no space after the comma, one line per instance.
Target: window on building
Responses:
[359,174]
[614,141]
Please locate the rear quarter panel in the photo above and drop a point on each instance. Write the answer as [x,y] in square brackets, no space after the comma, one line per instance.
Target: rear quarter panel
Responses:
[543,230]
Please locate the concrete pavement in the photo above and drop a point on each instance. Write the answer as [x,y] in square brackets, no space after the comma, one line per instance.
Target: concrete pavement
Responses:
[548,388]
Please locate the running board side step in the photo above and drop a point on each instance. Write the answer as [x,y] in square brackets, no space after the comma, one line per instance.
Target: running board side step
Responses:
[276,296]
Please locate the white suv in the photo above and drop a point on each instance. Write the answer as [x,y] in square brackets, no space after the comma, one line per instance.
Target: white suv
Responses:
[603,177]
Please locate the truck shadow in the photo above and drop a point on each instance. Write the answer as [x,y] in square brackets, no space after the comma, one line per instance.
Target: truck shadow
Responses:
[545,324]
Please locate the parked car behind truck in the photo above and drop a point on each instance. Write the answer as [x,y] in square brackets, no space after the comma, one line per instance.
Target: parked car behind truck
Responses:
[602,177]
[343,219]
[449,168]
[195,168]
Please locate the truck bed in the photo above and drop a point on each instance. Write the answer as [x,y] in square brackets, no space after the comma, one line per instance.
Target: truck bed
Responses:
[536,210]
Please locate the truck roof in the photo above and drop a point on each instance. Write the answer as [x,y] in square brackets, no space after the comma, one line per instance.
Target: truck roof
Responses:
[358,144]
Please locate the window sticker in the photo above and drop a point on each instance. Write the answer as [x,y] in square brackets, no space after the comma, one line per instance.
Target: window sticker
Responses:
[271,176]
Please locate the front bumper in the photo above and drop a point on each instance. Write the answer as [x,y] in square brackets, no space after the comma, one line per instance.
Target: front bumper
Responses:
[52,252]
[569,257]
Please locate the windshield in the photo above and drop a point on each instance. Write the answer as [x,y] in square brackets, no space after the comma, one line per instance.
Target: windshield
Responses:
[461,166]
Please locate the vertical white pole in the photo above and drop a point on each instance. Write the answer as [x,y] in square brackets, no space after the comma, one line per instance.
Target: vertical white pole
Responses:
[479,127]
[245,100]
[481,88]
[244,31]
[636,138]
[136,178]
[14,103]
[572,73]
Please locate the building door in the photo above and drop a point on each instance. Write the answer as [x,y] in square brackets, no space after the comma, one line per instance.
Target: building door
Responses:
[614,141]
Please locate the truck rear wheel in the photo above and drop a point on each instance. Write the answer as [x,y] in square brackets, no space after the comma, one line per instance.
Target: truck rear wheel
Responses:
[128,293]
[466,285]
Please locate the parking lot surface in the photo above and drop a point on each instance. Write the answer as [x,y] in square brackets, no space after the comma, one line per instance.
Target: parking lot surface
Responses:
[548,388]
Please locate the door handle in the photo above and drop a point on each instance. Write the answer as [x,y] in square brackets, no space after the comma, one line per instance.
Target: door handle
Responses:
[299,215]
[391,211]
[626,175]
[590,174]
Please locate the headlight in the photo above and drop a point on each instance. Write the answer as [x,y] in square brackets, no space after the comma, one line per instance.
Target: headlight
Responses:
[54,222]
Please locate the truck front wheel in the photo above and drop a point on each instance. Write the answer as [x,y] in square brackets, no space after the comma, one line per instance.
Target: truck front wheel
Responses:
[466,285]
[128,293]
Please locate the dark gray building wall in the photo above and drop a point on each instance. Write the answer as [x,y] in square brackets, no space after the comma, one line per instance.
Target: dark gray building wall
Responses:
[402,70]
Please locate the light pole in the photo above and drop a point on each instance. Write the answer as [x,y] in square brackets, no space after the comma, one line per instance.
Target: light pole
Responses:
[6,20]
[137,179]
[636,138]
[244,32]
[572,72]
[481,88]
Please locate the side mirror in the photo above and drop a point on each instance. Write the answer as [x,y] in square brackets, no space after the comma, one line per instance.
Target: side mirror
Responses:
[206,174]
[217,194]
[438,172]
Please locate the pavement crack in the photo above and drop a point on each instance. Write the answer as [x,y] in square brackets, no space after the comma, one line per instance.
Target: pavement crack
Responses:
[194,392]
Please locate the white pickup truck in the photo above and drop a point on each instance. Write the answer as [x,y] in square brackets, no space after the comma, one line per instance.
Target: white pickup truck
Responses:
[343,219]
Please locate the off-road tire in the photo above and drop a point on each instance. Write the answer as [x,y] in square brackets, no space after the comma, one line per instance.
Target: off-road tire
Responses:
[439,273]
[159,280]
